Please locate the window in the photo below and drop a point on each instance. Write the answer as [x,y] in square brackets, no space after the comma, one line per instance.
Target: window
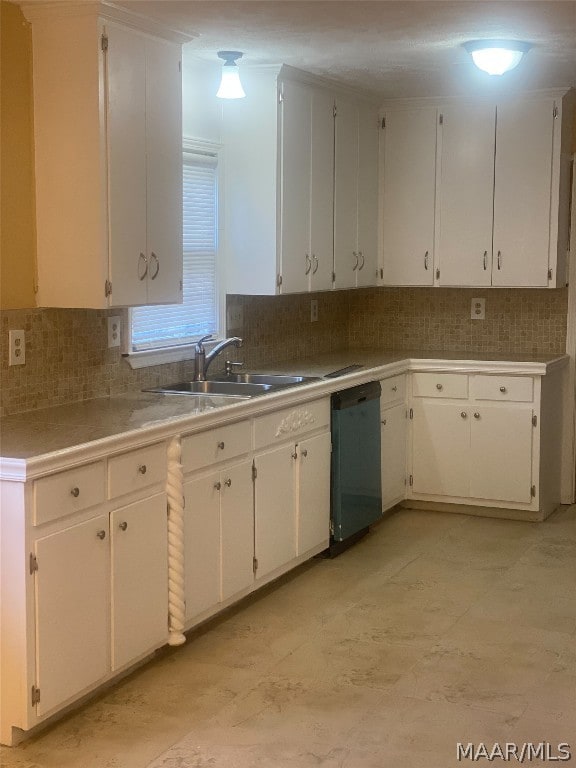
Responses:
[165,327]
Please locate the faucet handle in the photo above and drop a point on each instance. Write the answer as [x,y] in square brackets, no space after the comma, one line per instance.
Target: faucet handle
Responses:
[199,343]
[229,365]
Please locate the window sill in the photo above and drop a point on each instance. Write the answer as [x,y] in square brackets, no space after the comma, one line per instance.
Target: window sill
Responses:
[149,357]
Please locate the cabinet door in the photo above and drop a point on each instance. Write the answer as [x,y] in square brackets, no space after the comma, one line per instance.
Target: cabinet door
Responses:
[441,449]
[522,189]
[346,259]
[72,612]
[202,543]
[501,457]
[393,451]
[368,135]
[126,119]
[296,259]
[139,538]
[466,194]
[313,492]
[164,171]
[237,520]
[409,189]
[322,187]
[275,514]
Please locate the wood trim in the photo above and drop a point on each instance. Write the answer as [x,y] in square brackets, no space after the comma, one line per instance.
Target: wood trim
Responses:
[569,453]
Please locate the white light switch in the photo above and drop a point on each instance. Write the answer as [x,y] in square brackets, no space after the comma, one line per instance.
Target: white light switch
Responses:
[478,309]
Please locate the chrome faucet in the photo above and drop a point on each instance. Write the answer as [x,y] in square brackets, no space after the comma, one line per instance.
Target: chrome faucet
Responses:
[203,360]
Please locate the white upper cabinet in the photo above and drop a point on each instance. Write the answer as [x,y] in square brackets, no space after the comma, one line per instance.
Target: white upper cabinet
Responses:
[487,183]
[108,135]
[408,195]
[355,194]
[465,196]
[280,193]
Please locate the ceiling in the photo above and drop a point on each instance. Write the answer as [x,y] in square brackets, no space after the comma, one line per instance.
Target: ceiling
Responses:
[391,47]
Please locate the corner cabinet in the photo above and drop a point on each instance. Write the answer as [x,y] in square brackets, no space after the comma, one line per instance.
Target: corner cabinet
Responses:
[476,193]
[280,172]
[108,136]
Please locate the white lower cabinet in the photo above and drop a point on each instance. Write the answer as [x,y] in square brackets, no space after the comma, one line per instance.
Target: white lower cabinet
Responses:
[473,449]
[72,612]
[139,542]
[393,452]
[313,474]
[219,537]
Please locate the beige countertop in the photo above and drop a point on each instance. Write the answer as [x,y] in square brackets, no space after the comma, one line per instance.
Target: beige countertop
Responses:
[35,442]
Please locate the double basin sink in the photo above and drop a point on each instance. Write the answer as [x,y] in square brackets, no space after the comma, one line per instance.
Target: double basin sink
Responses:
[239,385]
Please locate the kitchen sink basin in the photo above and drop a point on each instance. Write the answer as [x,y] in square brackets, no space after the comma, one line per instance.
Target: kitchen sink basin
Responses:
[219,388]
[273,381]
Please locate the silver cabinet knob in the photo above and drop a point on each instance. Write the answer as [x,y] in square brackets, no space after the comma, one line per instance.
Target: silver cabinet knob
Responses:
[503,390]
[304,452]
[123,525]
[142,469]
[316,263]
[218,485]
[101,534]
[228,482]
[439,387]
[499,260]
[426,260]
[394,388]
[476,415]
[308,264]
[361,255]
[464,414]
[221,445]
[485,260]
[154,259]
[75,492]
[355,267]
[142,260]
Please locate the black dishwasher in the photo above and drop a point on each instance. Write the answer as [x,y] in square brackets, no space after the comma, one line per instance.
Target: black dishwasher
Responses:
[356,489]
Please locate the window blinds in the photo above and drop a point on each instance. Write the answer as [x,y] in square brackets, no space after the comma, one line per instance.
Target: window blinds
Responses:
[176,324]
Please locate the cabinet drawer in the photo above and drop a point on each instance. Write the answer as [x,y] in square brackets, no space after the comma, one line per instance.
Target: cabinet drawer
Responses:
[291,423]
[136,469]
[70,491]
[440,385]
[215,445]
[518,388]
[393,389]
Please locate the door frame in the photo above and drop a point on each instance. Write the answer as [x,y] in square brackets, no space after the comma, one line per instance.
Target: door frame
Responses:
[569,452]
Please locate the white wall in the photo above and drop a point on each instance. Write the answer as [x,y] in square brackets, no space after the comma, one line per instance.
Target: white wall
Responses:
[201,110]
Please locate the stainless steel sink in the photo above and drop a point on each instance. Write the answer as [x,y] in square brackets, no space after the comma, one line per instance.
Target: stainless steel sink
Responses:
[273,381]
[219,388]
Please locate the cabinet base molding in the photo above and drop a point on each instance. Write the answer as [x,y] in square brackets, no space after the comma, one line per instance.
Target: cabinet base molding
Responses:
[479,511]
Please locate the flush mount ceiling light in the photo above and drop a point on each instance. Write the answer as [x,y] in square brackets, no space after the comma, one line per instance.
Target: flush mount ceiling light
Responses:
[230,85]
[496,56]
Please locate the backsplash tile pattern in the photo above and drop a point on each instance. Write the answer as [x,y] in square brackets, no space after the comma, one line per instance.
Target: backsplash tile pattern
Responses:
[67,358]
[517,320]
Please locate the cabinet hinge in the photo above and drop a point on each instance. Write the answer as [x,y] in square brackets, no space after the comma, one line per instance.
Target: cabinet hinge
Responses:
[254,471]
[555,112]
[381,273]
[104,42]
[280,93]
[35,695]
[410,481]
[335,111]
[441,118]
[179,66]
[411,413]
[549,274]
[383,123]
[278,280]
[254,564]
[533,491]
[181,286]
[33,563]
[534,420]
[331,527]
[437,274]
[107,288]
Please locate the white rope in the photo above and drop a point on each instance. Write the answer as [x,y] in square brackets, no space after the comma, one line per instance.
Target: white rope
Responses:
[175,494]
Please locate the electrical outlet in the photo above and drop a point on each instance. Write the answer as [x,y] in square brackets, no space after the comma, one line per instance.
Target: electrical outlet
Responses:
[16,348]
[114,327]
[235,317]
[313,310]
[478,309]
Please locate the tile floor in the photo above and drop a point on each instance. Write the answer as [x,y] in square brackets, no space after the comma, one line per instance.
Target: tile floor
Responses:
[436,629]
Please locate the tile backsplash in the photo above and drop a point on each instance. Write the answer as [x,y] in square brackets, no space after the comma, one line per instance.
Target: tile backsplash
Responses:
[67,357]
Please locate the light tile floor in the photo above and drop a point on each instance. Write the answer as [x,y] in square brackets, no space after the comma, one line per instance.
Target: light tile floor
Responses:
[436,629]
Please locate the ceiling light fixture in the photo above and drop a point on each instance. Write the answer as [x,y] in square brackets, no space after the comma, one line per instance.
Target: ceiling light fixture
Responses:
[230,85]
[496,56]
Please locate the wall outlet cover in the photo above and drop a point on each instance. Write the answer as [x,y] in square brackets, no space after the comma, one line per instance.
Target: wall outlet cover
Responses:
[314,310]
[478,309]
[16,347]
[235,317]
[114,328]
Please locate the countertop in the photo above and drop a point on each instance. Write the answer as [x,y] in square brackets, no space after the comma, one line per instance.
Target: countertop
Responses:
[36,442]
